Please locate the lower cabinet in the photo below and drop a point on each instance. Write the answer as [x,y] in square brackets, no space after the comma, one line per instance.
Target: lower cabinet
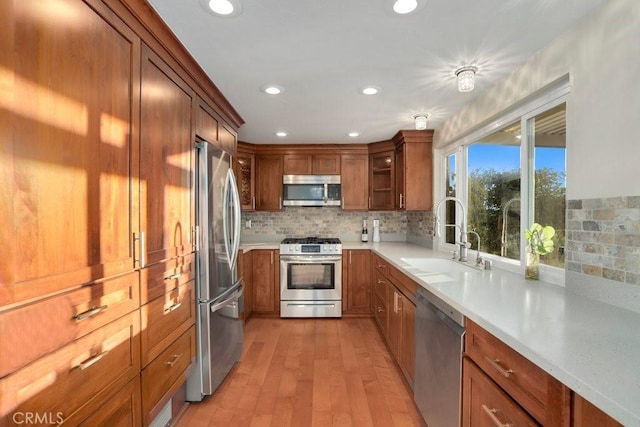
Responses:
[356,281]
[245,274]
[584,414]
[266,281]
[122,409]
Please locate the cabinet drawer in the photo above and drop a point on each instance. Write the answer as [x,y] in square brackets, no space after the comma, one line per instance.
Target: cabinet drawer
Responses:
[164,319]
[485,404]
[380,265]
[163,277]
[65,380]
[30,332]
[381,314]
[545,398]
[167,373]
[122,409]
[404,284]
[380,286]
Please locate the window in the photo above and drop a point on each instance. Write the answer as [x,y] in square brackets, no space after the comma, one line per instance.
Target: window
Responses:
[509,174]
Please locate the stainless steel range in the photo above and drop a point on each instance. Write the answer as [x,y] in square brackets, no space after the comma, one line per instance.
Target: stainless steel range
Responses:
[311,277]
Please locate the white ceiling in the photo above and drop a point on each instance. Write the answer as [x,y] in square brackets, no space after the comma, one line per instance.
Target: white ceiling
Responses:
[322,51]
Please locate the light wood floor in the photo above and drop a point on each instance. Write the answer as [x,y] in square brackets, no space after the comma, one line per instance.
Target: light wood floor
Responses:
[310,372]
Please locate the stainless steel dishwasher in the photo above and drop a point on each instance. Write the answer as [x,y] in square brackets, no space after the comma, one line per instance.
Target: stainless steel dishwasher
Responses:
[438,375]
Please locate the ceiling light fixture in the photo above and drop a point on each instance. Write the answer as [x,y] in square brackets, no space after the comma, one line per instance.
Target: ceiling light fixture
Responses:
[221,7]
[420,120]
[466,78]
[404,6]
[353,134]
[281,134]
[272,89]
[370,90]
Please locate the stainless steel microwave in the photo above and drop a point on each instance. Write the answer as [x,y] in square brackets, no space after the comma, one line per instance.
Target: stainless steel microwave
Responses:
[311,190]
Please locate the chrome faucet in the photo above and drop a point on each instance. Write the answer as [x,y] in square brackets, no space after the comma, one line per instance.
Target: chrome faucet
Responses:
[462,243]
[478,257]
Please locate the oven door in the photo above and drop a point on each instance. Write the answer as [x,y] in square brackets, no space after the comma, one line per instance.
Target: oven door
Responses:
[310,278]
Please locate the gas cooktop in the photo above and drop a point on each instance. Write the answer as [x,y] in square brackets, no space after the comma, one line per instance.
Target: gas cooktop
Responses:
[311,241]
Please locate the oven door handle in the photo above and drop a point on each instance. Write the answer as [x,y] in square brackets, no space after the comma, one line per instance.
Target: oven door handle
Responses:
[309,259]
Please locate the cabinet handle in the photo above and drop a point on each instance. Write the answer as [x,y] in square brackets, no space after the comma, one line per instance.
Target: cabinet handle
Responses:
[142,257]
[280,202]
[253,203]
[401,201]
[91,312]
[380,310]
[174,359]
[496,365]
[272,258]
[90,361]
[350,257]
[173,307]
[492,416]
[173,276]
[381,265]
[369,202]
[381,281]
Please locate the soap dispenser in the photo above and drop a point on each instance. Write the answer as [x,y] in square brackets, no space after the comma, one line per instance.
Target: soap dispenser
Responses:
[376,230]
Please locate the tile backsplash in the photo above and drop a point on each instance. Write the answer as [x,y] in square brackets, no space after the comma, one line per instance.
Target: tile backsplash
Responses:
[333,222]
[603,238]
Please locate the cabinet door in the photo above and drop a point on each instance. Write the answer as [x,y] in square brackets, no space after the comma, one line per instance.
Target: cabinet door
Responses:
[356,282]
[297,164]
[417,176]
[586,415]
[245,169]
[381,180]
[166,140]
[228,139]
[394,334]
[245,274]
[207,123]
[68,156]
[408,340]
[265,288]
[269,170]
[325,164]
[401,193]
[355,181]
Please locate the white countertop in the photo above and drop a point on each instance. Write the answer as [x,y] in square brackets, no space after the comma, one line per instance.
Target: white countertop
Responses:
[591,347]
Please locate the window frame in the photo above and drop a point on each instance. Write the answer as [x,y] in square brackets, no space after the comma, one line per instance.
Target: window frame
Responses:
[541,101]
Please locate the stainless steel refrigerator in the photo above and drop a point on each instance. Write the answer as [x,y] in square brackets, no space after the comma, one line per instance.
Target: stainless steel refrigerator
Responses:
[219,293]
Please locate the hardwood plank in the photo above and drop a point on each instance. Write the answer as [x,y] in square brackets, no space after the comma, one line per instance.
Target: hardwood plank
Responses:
[310,372]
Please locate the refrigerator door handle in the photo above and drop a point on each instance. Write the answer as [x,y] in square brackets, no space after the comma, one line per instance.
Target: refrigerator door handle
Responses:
[236,217]
[225,219]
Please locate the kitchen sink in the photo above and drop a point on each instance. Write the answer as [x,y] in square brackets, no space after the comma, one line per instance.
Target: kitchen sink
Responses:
[436,270]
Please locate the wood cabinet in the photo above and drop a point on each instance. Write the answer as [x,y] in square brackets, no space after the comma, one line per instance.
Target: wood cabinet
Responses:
[69,156]
[266,281]
[485,404]
[382,180]
[394,311]
[540,395]
[355,181]
[413,170]
[356,281]
[167,159]
[245,274]
[121,409]
[269,171]
[584,414]
[311,164]
[244,166]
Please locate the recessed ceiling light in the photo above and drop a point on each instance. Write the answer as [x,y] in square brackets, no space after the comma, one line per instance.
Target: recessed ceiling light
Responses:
[370,90]
[281,134]
[354,134]
[405,6]
[272,89]
[225,8]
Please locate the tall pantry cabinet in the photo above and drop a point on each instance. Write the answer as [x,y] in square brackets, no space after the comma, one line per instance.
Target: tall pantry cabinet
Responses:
[98,118]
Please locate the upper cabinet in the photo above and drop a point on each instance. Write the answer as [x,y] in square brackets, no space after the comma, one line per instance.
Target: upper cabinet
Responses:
[381,176]
[269,171]
[355,182]
[312,164]
[413,170]
[244,166]
[167,158]
[69,153]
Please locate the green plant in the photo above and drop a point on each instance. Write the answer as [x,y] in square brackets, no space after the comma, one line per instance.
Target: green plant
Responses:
[540,238]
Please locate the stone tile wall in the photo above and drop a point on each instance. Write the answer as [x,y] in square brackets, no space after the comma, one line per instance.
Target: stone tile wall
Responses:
[603,238]
[333,222]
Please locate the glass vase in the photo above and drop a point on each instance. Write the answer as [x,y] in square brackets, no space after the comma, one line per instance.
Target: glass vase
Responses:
[532,264]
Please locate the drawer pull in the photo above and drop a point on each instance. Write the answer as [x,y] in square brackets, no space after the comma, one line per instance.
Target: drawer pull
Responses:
[492,415]
[91,312]
[496,365]
[174,359]
[91,361]
[381,281]
[173,276]
[381,265]
[380,309]
[173,307]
